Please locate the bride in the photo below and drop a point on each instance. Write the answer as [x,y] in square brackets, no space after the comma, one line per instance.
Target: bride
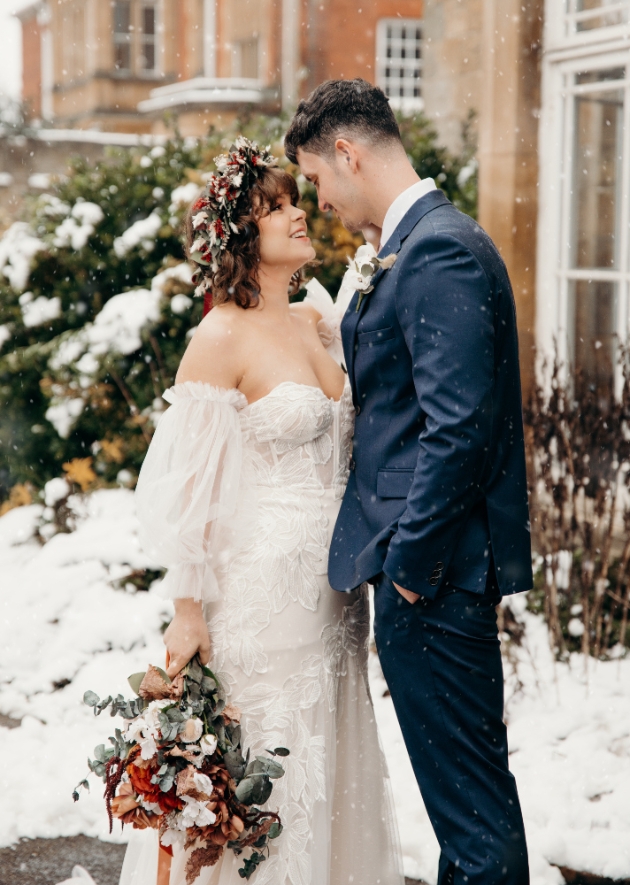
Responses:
[238,497]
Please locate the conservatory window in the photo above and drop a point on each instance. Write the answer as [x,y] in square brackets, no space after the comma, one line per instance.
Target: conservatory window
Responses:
[589,15]
[399,61]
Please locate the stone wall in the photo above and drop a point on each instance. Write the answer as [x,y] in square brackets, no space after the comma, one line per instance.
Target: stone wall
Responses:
[485,55]
[453,64]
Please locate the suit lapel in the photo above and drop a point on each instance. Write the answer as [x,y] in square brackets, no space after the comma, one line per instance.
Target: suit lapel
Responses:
[352,317]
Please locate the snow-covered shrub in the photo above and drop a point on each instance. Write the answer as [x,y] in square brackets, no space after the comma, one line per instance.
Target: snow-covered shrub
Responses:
[579,444]
[87,341]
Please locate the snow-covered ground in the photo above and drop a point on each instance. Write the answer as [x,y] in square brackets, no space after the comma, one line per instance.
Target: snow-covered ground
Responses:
[64,617]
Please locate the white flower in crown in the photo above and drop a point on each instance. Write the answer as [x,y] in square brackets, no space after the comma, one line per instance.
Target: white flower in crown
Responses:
[362,268]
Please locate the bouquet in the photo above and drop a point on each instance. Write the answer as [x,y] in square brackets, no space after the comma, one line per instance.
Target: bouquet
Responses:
[178,766]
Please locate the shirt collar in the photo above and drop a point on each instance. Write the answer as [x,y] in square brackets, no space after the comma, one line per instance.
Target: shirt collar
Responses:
[402,204]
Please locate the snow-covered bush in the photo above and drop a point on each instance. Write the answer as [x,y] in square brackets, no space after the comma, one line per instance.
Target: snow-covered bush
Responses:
[87,337]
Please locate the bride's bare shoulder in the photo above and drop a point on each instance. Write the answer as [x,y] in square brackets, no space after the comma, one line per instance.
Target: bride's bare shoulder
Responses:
[214,354]
[306,312]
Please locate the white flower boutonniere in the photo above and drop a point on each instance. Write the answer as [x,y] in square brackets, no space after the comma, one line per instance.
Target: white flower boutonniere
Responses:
[363,267]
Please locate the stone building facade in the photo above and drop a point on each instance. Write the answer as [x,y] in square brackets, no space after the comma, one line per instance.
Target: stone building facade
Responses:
[122,66]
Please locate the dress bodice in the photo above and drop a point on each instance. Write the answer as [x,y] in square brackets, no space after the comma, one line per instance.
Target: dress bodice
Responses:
[297,436]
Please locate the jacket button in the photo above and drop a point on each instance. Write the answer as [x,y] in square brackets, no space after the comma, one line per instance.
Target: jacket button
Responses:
[433,581]
[352,464]
[358,410]
[439,565]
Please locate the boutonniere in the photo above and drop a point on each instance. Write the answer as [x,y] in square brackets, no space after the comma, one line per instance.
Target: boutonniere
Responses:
[362,268]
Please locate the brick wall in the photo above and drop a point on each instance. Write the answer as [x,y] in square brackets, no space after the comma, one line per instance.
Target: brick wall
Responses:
[339,36]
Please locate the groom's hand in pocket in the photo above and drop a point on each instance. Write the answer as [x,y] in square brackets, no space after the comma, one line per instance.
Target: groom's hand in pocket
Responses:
[407,594]
[186,635]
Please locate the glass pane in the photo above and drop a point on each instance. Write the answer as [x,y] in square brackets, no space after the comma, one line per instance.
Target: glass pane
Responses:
[592,318]
[602,17]
[600,76]
[122,17]
[148,20]
[147,60]
[122,56]
[597,178]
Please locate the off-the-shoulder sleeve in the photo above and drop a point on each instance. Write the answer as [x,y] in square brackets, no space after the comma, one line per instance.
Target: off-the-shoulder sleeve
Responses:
[189,485]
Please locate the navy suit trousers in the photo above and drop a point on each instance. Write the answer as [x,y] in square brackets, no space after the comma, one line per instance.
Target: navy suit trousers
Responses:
[442,662]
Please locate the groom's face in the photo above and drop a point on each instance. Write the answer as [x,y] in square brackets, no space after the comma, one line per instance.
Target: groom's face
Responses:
[338,187]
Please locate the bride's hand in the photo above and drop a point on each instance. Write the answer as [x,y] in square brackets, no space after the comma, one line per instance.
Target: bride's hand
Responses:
[186,635]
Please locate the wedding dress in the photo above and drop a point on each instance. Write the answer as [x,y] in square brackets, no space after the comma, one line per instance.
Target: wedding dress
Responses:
[239,500]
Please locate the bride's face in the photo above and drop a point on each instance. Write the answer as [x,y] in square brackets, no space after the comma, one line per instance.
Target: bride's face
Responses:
[284,242]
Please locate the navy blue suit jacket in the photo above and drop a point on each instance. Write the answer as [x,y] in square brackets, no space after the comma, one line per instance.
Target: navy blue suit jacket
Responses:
[437,487]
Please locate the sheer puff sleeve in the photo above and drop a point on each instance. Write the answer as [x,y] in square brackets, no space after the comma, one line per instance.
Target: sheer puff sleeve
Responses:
[189,487]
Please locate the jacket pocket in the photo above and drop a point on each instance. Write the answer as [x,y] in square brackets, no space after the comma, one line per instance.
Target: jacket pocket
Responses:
[376,336]
[394,482]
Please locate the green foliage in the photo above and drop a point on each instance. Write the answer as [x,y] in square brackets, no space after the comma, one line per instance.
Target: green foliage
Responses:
[456,174]
[112,399]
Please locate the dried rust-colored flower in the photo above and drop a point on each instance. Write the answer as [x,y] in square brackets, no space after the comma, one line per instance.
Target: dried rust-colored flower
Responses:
[200,858]
[155,688]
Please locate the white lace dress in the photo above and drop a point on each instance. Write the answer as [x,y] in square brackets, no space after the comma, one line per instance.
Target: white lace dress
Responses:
[240,501]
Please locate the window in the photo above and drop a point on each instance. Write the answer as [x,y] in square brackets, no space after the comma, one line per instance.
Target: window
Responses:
[399,61]
[583,276]
[588,15]
[245,58]
[596,101]
[135,36]
[122,35]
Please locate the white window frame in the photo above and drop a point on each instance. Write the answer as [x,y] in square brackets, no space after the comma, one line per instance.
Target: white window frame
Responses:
[564,55]
[408,103]
[576,17]
[136,40]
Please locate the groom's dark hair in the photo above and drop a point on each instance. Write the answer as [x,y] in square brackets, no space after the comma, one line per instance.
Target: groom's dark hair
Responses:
[352,108]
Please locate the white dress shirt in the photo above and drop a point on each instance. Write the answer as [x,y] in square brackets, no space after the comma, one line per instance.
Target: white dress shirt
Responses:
[402,204]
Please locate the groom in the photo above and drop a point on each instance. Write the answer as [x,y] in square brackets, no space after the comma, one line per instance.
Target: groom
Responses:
[435,514]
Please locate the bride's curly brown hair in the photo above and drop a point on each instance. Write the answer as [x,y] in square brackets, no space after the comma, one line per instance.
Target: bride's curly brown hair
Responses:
[237,276]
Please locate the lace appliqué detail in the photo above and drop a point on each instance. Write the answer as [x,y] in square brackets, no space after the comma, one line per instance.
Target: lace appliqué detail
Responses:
[344,443]
[349,637]
[296,444]
[275,716]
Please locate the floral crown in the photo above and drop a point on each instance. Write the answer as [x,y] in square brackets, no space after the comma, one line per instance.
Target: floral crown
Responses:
[214,211]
